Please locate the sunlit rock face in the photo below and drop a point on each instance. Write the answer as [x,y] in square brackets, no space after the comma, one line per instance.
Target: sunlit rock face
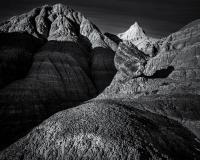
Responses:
[51,58]
[129,61]
[136,35]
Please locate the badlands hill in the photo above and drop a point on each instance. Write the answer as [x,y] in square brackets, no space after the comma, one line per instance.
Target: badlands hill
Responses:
[51,58]
[57,59]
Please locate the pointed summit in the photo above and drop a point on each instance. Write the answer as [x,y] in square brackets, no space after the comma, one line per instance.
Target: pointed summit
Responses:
[135,32]
[135,26]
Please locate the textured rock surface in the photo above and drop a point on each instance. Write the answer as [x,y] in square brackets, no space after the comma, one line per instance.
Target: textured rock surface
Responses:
[170,80]
[135,34]
[56,80]
[106,129]
[51,58]
[129,61]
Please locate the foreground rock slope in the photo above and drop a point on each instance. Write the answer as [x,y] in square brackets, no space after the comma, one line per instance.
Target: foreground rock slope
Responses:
[149,111]
[106,130]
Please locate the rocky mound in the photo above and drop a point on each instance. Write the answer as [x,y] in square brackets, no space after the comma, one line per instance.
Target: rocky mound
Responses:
[51,58]
[106,129]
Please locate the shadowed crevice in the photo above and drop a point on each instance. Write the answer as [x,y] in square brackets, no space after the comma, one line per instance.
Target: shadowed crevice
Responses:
[163,73]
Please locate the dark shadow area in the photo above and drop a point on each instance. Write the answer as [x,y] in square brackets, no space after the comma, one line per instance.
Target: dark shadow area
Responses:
[20,40]
[163,73]
[98,63]
[16,55]
[113,37]
[76,50]
[102,67]
[61,75]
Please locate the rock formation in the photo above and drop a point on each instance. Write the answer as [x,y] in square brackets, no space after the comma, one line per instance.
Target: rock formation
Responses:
[137,36]
[133,33]
[129,61]
[149,111]
[169,83]
[52,58]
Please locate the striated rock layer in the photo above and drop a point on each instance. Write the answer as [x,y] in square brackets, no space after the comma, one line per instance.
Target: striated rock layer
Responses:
[16,56]
[51,58]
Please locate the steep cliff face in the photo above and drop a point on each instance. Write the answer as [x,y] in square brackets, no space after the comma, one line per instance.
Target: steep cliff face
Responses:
[51,58]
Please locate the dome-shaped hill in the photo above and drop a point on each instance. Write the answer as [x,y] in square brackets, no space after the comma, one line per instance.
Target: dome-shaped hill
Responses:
[48,62]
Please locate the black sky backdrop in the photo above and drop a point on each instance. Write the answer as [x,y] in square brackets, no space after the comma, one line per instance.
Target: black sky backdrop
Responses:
[157,17]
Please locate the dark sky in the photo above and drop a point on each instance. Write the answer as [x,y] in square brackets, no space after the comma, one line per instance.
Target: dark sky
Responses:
[157,17]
